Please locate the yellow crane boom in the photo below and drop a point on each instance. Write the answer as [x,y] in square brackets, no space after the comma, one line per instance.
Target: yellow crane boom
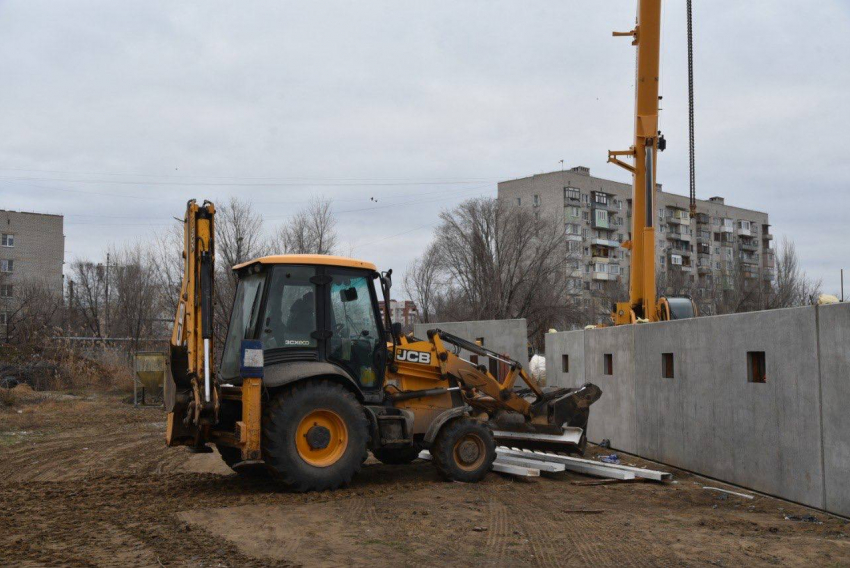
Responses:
[642,304]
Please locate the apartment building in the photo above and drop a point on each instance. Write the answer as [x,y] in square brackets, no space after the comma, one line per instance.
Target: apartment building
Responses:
[32,249]
[403,312]
[721,241]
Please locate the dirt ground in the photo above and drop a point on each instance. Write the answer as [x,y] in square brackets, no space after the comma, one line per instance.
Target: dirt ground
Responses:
[87,481]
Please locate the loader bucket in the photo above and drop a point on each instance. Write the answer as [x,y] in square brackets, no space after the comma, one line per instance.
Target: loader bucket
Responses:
[559,421]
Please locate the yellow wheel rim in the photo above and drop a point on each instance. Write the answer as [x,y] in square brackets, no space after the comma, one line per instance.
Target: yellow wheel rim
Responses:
[469,452]
[321,438]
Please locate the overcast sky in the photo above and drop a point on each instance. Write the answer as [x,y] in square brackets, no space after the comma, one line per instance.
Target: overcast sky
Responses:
[115,113]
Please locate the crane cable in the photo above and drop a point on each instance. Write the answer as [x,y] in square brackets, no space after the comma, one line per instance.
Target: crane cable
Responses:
[693,194]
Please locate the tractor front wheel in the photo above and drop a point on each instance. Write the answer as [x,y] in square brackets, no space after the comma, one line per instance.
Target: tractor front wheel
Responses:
[464,450]
[314,436]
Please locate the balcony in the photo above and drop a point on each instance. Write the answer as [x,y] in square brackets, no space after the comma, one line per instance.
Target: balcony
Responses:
[603,276]
[703,269]
[769,261]
[768,275]
[752,246]
[703,219]
[676,236]
[726,229]
[749,261]
[604,206]
[744,232]
[606,224]
[605,243]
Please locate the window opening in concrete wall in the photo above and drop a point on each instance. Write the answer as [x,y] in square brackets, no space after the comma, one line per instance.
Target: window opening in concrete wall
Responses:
[756,367]
[494,367]
[667,369]
[473,359]
[608,364]
[565,363]
[479,341]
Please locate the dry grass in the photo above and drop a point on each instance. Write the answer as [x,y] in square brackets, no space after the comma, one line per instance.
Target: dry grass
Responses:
[8,398]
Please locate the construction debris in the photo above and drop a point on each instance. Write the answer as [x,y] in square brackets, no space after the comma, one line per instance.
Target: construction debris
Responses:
[744,495]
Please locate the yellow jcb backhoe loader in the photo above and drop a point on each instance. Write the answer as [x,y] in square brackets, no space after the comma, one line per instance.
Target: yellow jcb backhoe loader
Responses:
[311,377]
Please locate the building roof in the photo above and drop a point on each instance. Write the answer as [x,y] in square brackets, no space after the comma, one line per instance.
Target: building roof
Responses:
[321,259]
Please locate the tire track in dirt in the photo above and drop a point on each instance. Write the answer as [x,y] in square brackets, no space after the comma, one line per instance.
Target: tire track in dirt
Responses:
[498,531]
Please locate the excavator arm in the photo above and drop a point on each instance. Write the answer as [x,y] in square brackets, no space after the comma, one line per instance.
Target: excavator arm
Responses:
[191,395]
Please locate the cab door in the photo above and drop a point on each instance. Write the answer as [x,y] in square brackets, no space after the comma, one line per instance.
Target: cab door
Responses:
[356,341]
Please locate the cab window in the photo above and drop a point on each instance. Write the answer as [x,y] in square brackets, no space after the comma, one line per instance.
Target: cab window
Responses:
[243,320]
[290,316]
[355,340]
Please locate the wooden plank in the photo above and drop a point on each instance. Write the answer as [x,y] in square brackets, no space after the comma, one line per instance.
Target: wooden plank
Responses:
[637,471]
[573,464]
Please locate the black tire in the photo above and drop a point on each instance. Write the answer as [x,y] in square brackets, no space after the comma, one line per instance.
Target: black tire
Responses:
[397,456]
[464,450]
[281,420]
[232,456]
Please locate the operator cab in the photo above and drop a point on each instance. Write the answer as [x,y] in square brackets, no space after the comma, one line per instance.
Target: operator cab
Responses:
[309,308]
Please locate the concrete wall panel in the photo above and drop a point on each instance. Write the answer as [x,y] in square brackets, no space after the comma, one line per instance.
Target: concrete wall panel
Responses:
[571,344]
[709,418]
[613,416]
[834,338]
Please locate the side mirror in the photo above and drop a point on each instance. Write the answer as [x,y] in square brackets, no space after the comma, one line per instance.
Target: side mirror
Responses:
[348,294]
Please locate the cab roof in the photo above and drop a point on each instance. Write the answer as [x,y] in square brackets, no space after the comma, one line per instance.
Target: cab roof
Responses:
[322,259]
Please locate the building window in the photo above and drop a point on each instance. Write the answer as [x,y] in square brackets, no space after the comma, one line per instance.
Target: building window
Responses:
[7,265]
[8,240]
[4,318]
[573,229]
[756,368]
[667,370]
[600,198]
[585,216]
[573,211]
[585,198]
[565,363]
[479,341]
[536,200]
[572,193]
[608,364]
[519,200]
[6,291]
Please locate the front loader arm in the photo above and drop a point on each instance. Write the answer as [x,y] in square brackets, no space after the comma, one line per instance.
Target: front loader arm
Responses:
[548,411]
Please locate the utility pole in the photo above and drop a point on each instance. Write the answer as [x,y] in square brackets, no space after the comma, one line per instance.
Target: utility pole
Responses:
[842,284]
[106,322]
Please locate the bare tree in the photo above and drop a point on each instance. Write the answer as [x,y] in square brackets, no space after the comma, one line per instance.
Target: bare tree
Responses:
[497,261]
[310,231]
[421,283]
[33,314]
[791,285]
[239,238]
[88,281]
[134,295]
[167,255]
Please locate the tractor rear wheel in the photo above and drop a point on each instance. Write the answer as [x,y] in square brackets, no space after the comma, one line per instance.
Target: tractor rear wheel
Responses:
[397,456]
[314,436]
[464,450]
